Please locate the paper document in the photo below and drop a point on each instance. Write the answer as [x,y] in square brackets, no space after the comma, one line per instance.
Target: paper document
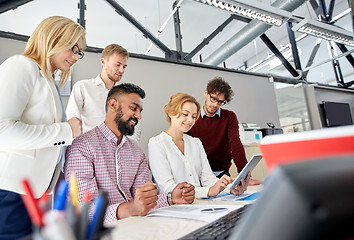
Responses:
[246,196]
[193,211]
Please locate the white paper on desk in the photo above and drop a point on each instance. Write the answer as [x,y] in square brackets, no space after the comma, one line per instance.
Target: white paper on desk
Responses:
[192,211]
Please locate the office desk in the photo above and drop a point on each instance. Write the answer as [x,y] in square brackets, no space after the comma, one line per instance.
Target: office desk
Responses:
[162,227]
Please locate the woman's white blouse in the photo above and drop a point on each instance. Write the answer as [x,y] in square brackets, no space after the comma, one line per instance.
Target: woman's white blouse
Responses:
[169,166]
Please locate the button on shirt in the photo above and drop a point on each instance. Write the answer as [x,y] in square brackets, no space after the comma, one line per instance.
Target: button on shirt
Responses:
[170,166]
[99,164]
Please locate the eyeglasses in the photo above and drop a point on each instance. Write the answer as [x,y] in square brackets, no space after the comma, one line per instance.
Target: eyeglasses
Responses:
[76,50]
[214,100]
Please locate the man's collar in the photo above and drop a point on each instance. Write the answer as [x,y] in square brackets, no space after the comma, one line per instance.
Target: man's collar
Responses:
[111,137]
[99,81]
[203,114]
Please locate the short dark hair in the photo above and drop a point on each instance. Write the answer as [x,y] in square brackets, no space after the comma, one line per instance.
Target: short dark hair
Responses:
[124,88]
[219,85]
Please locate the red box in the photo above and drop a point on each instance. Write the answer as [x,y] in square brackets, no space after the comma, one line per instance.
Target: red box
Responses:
[302,146]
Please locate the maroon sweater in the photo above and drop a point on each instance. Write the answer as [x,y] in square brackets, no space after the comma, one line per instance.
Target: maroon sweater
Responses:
[221,140]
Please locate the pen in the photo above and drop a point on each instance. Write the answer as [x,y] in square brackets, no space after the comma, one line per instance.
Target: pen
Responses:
[83,222]
[31,204]
[73,191]
[71,217]
[213,210]
[98,227]
[94,222]
[60,199]
[72,207]
[44,202]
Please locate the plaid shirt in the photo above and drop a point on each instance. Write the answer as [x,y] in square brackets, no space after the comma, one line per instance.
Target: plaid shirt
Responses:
[99,164]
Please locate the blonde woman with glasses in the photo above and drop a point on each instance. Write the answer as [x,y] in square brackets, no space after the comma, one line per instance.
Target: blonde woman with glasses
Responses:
[33,128]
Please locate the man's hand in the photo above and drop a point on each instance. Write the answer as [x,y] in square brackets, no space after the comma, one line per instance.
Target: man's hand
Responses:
[219,186]
[183,193]
[76,126]
[144,200]
[239,189]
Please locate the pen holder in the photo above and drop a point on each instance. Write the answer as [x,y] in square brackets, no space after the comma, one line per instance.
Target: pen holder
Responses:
[104,234]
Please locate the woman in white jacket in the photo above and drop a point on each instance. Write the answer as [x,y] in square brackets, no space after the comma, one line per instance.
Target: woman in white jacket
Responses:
[176,157]
[33,127]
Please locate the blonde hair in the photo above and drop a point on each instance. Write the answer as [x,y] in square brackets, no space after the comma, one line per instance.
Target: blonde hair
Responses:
[174,107]
[112,49]
[52,35]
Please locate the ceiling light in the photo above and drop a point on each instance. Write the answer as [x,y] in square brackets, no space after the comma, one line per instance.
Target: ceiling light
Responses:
[260,64]
[325,31]
[252,9]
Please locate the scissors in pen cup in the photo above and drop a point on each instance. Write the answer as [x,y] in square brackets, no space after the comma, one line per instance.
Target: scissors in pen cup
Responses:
[213,210]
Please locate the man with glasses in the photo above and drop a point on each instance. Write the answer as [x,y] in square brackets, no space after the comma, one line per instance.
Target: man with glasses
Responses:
[217,128]
[87,99]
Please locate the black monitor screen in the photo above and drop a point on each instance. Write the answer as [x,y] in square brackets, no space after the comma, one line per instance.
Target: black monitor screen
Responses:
[337,114]
[304,200]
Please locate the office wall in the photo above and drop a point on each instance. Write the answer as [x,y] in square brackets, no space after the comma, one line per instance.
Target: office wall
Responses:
[333,95]
[254,100]
[299,105]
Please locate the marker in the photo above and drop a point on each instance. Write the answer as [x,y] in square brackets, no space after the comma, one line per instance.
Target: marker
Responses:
[96,225]
[31,204]
[95,220]
[73,191]
[60,199]
[44,202]
[99,226]
[84,216]
[71,217]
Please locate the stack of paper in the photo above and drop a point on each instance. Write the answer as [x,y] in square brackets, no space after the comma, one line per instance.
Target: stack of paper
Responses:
[193,211]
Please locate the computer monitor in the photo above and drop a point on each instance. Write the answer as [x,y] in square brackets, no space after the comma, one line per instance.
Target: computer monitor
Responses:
[337,114]
[303,200]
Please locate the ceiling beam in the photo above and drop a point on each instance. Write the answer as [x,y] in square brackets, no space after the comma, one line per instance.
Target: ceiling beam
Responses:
[293,44]
[312,56]
[147,33]
[214,34]
[15,36]
[178,33]
[6,5]
[344,49]
[278,54]
[82,8]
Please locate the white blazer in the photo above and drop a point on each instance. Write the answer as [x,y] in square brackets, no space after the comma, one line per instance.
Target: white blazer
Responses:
[31,131]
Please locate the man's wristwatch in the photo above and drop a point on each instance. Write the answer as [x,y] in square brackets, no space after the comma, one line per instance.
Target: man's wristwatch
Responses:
[169,199]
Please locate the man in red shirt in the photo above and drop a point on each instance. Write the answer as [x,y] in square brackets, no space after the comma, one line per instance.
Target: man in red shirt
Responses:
[217,128]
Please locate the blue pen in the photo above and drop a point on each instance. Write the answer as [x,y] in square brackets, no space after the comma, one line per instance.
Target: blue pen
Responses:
[60,199]
[95,219]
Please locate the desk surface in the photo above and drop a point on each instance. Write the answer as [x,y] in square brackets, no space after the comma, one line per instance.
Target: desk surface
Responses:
[162,227]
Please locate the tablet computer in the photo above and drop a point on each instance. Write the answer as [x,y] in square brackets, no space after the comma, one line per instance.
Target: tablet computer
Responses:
[248,168]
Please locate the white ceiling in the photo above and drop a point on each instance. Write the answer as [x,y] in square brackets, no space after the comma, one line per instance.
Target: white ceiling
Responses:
[105,26]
